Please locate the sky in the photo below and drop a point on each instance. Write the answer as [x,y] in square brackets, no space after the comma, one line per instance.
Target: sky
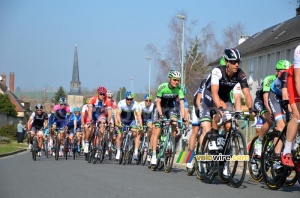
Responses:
[37,38]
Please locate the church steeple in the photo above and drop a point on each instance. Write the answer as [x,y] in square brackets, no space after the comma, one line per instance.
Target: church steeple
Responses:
[75,85]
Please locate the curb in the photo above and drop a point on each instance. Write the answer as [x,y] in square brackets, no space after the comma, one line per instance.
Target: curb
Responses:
[12,153]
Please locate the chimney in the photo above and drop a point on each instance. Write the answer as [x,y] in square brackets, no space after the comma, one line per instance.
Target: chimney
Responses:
[12,82]
[3,79]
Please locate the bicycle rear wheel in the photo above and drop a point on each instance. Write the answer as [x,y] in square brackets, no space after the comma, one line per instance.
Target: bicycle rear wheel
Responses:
[237,168]
[254,163]
[274,175]
[34,148]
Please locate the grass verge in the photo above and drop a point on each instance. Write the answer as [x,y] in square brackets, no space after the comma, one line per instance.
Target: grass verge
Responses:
[12,146]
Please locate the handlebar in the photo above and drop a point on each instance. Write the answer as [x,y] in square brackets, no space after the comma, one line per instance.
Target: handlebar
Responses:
[228,115]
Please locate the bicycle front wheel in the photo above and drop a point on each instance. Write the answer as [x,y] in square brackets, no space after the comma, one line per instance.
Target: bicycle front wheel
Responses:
[238,153]
[254,163]
[272,171]
[169,154]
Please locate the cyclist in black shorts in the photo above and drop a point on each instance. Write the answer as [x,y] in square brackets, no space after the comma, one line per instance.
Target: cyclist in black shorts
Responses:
[217,89]
[166,106]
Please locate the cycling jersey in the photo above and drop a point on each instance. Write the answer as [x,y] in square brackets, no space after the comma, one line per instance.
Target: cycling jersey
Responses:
[76,119]
[99,108]
[219,77]
[199,90]
[146,112]
[127,112]
[168,96]
[59,115]
[84,113]
[279,83]
[38,120]
[293,94]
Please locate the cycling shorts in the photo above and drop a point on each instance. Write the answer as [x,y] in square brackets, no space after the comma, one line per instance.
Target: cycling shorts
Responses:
[293,95]
[168,112]
[275,106]
[260,106]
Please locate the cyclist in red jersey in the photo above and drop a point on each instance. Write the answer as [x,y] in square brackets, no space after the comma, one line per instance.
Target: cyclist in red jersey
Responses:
[293,85]
[99,110]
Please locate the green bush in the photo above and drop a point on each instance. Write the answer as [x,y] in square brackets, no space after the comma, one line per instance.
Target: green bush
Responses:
[9,131]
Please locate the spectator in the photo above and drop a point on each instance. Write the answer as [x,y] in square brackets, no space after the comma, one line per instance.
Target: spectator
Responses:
[20,128]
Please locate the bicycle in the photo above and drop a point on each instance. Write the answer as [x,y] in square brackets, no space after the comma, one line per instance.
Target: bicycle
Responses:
[166,148]
[34,147]
[75,147]
[276,175]
[143,147]
[230,145]
[56,142]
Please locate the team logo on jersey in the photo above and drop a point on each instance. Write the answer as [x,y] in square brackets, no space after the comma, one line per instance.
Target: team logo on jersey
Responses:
[170,95]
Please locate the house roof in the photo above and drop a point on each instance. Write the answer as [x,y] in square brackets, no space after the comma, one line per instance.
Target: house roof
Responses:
[276,35]
[13,98]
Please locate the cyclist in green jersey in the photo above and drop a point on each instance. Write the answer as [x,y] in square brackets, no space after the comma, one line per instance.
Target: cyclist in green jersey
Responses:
[166,106]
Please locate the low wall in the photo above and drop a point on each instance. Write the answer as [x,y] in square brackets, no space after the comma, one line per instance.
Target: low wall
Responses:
[7,119]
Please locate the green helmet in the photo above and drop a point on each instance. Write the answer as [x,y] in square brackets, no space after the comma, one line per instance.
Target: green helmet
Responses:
[283,65]
[222,61]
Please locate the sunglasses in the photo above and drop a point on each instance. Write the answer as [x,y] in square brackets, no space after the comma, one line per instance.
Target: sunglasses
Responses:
[39,110]
[129,99]
[233,62]
[63,104]
[147,100]
[102,94]
[176,80]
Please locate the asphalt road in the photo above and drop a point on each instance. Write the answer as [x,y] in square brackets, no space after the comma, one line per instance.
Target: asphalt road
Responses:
[20,177]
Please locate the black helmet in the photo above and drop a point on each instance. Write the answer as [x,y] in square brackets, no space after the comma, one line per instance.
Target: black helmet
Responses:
[38,106]
[232,54]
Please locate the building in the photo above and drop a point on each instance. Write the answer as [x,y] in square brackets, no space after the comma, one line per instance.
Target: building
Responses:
[75,97]
[21,107]
[261,51]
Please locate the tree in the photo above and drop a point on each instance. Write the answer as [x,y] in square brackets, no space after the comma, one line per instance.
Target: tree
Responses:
[6,106]
[59,94]
[201,49]
[121,93]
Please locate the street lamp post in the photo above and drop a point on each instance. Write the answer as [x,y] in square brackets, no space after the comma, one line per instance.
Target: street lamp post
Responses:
[149,59]
[131,88]
[182,17]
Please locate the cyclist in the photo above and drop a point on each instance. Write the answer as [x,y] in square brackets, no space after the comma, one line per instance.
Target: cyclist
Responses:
[125,116]
[37,121]
[99,109]
[195,120]
[147,107]
[278,92]
[293,126]
[59,119]
[110,96]
[217,93]
[167,94]
[262,105]
[84,115]
[74,126]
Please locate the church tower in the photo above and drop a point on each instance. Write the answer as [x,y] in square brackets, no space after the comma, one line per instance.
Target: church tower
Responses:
[75,98]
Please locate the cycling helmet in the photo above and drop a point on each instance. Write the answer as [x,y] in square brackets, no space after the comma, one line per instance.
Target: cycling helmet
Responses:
[283,65]
[110,94]
[62,101]
[76,109]
[222,61]
[174,74]
[102,90]
[148,97]
[129,95]
[232,54]
[38,106]
[87,101]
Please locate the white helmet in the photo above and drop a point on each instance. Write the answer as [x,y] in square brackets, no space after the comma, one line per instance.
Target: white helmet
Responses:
[174,74]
